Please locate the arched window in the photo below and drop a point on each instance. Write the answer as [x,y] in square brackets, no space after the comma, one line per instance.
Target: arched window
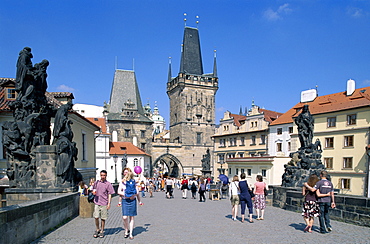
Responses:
[136,162]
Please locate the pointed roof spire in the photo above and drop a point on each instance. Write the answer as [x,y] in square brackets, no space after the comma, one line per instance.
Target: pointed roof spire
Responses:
[241,110]
[191,58]
[169,70]
[214,65]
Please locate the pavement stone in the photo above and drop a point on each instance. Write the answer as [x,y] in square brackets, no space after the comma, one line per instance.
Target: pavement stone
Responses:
[180,220]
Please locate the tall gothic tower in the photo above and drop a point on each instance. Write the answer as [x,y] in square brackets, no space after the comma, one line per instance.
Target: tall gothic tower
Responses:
[192,97]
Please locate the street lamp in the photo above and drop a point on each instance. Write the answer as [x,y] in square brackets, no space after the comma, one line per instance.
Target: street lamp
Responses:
[115,158]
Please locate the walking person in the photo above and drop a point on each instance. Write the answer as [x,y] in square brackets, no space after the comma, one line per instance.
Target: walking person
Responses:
[129,191]
[169,184]
[324,186]
[184,187]
[245,198]
[259,198]
[193,188]
[202,190]
[310,207]
[103,190]
[234,193]
[142,189]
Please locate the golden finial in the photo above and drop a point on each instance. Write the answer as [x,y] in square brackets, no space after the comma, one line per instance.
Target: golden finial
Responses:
[185,19]
[197,22]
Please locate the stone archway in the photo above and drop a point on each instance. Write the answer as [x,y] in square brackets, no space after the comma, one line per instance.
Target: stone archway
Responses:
[169,163]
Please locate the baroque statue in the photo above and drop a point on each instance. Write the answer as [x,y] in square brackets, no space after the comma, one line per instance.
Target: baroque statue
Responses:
[307,160]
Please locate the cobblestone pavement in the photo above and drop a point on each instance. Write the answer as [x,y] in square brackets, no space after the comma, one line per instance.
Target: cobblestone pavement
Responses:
[180,220]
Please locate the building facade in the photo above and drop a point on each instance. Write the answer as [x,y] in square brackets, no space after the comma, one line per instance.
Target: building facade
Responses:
[342,124]
[241,145]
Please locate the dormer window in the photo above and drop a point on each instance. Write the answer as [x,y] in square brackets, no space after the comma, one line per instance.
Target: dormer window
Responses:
[11,94]
[123,148]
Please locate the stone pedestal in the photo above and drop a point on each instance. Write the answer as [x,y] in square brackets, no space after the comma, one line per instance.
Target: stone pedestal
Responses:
[46,157]
[206,173]
[45,179]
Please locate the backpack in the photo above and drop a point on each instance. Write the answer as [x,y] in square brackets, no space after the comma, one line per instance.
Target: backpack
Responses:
[193,187]
[130,188]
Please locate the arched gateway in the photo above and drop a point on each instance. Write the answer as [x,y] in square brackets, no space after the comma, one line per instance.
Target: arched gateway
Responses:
[168,163]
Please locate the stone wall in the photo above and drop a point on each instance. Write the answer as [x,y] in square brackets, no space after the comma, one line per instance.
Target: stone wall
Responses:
[27,221]
[350,209]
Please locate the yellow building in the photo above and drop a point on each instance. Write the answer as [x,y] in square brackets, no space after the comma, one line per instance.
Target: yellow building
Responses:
[342,123]
[241,144]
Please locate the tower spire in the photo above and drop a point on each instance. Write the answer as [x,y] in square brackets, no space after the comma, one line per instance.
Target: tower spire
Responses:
[191,58]
[214,65]
[169,70]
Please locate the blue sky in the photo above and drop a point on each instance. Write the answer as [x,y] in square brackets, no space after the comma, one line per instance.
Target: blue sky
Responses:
[267,51]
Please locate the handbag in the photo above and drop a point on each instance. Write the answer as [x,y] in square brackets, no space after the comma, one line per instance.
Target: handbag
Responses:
[251,193]
[90,197]
[265,191]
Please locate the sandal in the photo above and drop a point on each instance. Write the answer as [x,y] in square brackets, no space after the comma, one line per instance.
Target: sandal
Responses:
[131,237]
[101,234]
[251,221]
[126,235]
[96,233]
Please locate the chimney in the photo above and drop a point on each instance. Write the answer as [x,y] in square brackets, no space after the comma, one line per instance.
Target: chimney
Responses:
[351,86]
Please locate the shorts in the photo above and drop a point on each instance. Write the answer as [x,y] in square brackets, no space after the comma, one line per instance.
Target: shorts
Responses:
[235,200]
[100,212]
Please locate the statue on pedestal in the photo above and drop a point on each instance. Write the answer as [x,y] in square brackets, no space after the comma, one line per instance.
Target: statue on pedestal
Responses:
[307,160]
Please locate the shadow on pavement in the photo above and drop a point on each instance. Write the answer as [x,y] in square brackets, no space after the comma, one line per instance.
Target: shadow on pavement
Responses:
[139,229]
[111,231]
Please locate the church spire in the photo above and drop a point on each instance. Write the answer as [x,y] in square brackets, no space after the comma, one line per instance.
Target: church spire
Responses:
[191,58]
[169,70]
[214,65]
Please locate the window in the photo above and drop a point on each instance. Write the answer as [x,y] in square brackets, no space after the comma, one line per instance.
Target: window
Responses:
[237,171]
[351,119]
[290,130]
[230,172]
[136,162]
[263,139]
[241,155]
[142,133]
[264,172]
[11,94]
[241,171]
[252,124]
[249,172]
[347,163]
[345,183]
[328,163]
[84,147]
[348,141]
[331,121]
[289,146]
[222,142]
[279,147]
[231,155]
[221,157]
[127,133]
[242,139]
[279,131]
[199,138]
[143,145]
[253,139]
[329,142]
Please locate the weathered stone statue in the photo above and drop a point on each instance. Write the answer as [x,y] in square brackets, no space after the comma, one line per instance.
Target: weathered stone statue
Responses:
[124,160]
[307,160]
[206,161]
[31,126]
[305,121]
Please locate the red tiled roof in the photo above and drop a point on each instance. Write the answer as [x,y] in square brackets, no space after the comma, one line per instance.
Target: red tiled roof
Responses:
[99,122]
[238,119]
[270,116]
[121,148]
[62,94]
[329,103]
